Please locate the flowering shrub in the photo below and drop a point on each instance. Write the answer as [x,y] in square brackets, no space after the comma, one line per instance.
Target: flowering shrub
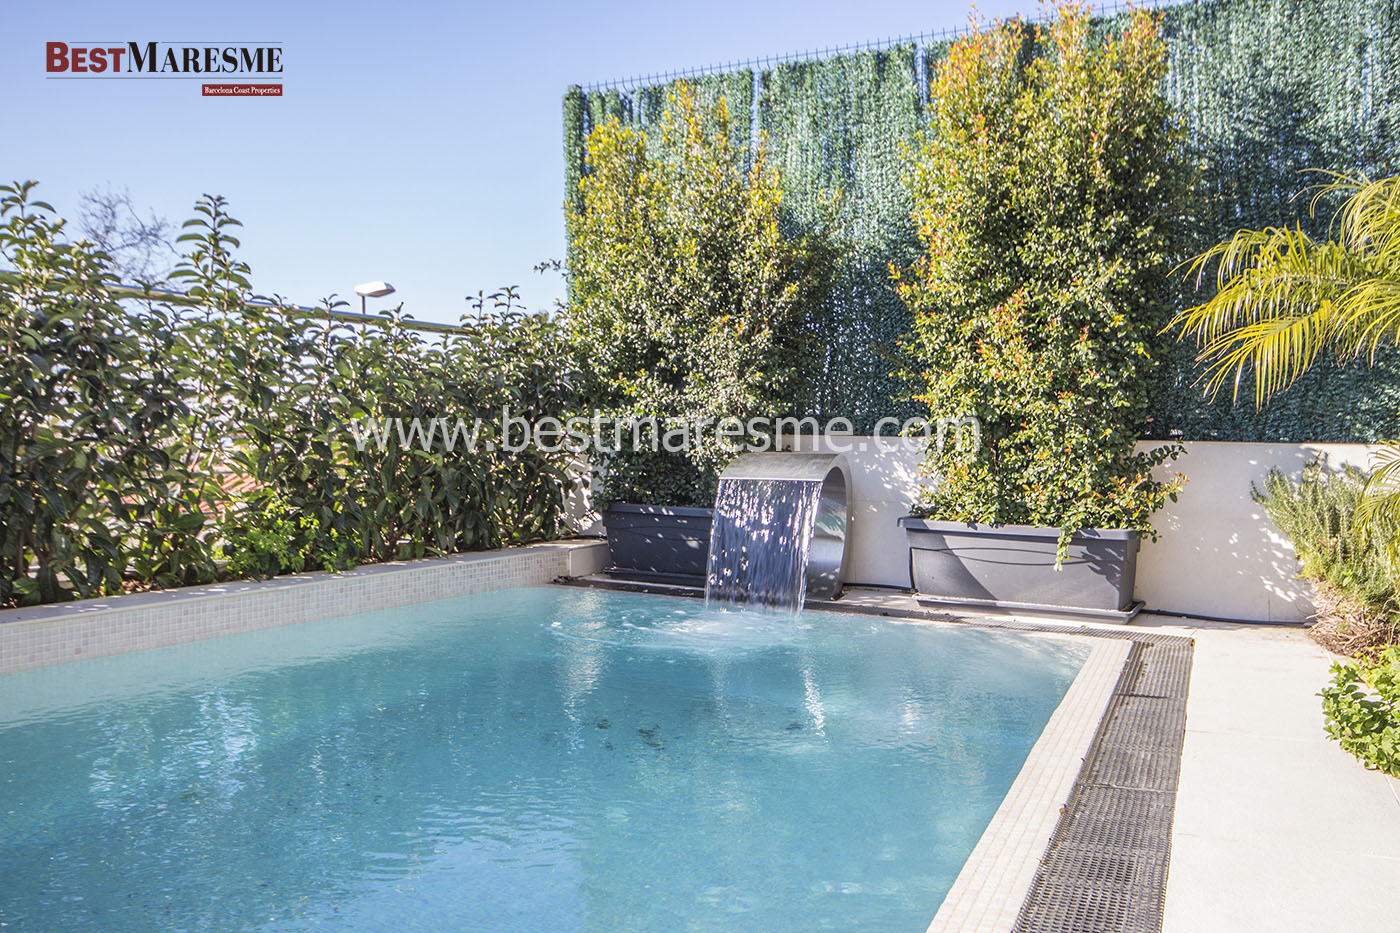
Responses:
[1049,192]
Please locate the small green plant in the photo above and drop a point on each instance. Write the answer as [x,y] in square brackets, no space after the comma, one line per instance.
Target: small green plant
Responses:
[1350,561]
[1049,191]
[1362,708]
[268,541]
[264,535]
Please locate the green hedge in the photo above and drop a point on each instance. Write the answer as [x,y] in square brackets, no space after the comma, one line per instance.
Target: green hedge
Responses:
[147,443]
[1267,89]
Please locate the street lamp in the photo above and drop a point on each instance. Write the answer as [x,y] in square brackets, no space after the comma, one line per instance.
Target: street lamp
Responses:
[372,290]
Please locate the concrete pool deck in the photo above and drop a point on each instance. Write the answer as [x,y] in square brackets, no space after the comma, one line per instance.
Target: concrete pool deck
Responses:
[1276,828]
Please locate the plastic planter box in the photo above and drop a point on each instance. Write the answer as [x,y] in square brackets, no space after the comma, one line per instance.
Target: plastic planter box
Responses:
[1013,566]
[658,543]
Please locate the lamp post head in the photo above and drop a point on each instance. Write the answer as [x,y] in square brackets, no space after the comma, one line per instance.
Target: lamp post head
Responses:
[374,289]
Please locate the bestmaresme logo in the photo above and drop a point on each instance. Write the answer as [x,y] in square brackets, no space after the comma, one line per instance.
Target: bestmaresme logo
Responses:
[171,60]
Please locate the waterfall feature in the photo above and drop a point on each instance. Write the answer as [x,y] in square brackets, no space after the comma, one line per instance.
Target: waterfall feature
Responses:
[760,541]
[779,532]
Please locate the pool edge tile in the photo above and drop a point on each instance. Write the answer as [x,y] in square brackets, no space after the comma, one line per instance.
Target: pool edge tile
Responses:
[58,633]
[996,878]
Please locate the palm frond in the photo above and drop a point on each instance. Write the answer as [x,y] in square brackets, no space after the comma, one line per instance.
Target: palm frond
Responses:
[1369,318]
[1381,502]
[1370,217]
[1275,307]
[1283,298]
[1277,349]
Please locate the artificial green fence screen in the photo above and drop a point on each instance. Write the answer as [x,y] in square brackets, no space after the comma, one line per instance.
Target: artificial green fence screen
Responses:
[1267,88]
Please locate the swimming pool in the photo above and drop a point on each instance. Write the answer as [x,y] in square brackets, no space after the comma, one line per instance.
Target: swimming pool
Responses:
[542,758]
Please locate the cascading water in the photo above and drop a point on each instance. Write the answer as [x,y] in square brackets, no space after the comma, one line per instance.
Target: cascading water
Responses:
[760,541]
[779,530]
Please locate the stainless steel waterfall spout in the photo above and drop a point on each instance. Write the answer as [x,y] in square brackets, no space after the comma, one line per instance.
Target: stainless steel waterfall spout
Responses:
[827,557]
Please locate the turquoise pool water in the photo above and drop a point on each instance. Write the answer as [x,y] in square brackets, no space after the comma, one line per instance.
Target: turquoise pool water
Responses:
[533,759]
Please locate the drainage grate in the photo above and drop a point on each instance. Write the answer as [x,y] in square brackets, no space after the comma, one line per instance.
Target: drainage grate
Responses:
[1116,818]
[1105,870]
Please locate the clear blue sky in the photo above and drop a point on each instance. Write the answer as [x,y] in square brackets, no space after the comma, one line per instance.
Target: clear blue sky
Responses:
[418,142]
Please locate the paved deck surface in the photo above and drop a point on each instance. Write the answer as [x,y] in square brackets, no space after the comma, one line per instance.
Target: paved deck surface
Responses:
[1276,827]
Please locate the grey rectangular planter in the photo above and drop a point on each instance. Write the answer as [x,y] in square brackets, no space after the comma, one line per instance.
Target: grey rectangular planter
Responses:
[1013,566]
[658,543]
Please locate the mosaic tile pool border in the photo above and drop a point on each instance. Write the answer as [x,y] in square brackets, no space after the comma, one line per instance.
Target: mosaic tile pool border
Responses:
[987,895]
[55,634]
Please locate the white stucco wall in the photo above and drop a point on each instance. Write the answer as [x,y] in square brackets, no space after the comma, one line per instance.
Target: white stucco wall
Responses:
[579,511]
[1217,553]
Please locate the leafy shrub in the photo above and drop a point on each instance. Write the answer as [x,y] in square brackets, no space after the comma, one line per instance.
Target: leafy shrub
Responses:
[1049,195]
[263,542]
[688,296]
[1362,709]
[418,495]
[85,411]
[123,420]
[1350,561]
[225,353]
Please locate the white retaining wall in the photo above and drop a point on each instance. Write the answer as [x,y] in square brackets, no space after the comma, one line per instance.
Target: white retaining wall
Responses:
[1217,554]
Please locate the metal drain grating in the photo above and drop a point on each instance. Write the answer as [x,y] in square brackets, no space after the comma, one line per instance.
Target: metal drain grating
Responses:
[1132,769]
[1146,721]
[1105,870]
[1114,817]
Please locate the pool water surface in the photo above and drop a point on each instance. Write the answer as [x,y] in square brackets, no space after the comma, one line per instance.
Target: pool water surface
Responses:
[547,758]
